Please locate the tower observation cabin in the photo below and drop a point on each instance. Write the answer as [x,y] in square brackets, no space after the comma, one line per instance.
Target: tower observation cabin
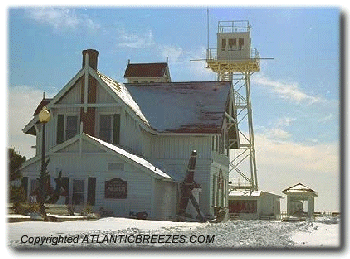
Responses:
[234,56]
[233,52]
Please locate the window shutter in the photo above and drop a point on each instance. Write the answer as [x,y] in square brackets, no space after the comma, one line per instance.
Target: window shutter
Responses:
[65,189]
[91,191]
[116,128]
[25,186]
[60,129]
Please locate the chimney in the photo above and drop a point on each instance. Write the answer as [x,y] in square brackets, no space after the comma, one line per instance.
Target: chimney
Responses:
[93,57]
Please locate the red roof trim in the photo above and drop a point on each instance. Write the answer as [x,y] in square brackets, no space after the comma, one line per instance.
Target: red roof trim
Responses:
[44,102]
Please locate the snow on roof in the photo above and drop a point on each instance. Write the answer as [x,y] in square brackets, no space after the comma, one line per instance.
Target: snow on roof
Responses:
[139,160]
[250,194]
[298,188]
[183,107]
[146,70]
[124,95]
[245,193]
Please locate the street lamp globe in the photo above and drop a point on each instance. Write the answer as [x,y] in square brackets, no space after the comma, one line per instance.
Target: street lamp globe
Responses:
[44,115]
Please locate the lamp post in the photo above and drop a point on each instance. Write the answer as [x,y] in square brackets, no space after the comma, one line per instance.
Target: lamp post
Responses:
[44,117]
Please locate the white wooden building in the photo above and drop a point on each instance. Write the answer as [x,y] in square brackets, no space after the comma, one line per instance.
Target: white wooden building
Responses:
[125,147]
[247,204]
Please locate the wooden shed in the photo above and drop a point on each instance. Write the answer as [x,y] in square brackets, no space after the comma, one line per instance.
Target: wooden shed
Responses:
[253,205]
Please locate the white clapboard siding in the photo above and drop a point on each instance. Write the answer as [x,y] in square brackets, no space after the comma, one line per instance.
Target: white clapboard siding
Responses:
[139,192]
[140,195]
[113,109]
[165,200]
[73,96]
[102,96]
[131,136]
[180,147]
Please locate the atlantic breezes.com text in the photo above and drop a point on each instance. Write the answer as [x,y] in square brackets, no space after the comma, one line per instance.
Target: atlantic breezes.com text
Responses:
[115,239]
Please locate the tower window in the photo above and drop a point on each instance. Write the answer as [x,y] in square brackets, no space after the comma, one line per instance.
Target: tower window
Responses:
[231,43]
[223,44]
[241,43]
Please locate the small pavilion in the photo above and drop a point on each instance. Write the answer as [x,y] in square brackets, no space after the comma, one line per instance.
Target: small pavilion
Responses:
[296,195]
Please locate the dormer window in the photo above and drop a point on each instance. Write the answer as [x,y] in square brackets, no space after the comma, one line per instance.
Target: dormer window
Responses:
[71,126]
[110,128]
[67,127]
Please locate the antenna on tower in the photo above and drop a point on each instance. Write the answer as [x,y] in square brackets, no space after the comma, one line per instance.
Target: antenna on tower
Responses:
[208,27]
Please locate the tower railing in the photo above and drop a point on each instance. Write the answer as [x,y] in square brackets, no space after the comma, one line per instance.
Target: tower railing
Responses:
[233,26]
[212,55]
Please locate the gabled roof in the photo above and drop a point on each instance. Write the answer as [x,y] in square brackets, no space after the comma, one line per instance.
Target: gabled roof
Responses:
[117,90]
[172,107]
[122,92]
[299,188]
[134,158]
[183,107]
[43,103]
[29,128]
[139,161]
[146,69]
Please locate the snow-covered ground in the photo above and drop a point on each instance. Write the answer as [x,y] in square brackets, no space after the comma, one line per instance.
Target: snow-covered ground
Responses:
[122,232]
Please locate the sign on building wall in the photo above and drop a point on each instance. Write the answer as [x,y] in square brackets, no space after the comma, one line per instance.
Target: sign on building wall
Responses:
[116,188]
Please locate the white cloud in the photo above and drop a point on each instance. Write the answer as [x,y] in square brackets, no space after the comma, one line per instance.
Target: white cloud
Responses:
[196,67]
[327,118]
[281,162]
[284,163]
[319,158]
[171,52]
[284,122]
[22,102]
[289,91]
[278,134]
[61,18]
[278,131]
[133,40]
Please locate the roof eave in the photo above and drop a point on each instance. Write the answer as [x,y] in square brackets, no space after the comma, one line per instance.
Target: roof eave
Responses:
[27,128]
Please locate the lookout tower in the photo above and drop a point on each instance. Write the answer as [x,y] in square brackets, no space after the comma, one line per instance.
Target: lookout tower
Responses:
[235,60]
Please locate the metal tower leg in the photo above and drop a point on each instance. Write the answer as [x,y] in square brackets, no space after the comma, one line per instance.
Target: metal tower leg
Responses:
[243,104]
[253,173]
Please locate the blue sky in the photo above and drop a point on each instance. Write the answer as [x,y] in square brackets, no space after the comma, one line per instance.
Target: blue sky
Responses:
[295,97]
